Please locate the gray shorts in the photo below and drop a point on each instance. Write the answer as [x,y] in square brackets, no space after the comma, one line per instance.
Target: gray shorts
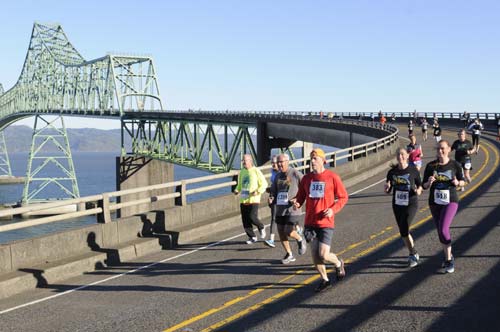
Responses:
[324,235]
[288,220]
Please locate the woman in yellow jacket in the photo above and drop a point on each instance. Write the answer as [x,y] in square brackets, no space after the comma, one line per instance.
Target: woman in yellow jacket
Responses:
[251,185]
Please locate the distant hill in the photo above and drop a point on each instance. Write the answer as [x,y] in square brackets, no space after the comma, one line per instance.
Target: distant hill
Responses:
[18,139]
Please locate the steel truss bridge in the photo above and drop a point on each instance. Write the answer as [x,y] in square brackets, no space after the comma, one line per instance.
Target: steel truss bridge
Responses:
[57,80]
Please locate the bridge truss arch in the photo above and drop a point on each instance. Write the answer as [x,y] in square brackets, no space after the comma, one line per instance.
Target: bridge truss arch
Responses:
[56,79]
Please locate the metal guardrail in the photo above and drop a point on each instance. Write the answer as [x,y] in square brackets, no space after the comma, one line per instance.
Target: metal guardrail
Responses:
[105,203]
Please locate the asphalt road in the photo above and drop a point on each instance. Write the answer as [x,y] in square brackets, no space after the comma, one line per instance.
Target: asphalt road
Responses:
[222,284]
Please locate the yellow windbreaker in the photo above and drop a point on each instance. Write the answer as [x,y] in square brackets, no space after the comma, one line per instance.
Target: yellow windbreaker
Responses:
[249,181]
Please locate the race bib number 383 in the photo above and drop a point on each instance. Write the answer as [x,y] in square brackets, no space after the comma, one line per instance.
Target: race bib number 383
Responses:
[317,189]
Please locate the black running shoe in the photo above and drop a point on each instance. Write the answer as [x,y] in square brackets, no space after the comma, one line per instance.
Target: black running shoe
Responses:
[324,284]
[340,271]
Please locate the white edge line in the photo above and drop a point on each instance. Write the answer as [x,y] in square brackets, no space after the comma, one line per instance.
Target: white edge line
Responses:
[143,267]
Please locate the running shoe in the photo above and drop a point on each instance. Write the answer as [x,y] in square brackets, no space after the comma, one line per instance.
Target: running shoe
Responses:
[262,233]
[413,260]
[270,243]
[251,240]
[449,266]
[340,271]
[302,246]
[324,284]
[288,259]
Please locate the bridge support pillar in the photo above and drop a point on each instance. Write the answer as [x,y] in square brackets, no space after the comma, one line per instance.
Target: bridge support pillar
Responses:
[50,173]
[137,171]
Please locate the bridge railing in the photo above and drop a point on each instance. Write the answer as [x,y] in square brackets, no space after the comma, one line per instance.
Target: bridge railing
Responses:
[337,115]
[107,202]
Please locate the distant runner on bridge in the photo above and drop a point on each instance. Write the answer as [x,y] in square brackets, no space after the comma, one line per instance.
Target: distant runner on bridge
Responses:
[251,185]
[284,187]
[415,153]
[425,127]
[463,149]
[476,127]
[318,190]
[274,172]
[436,130]
[405,183]
[498,126]
[442,176]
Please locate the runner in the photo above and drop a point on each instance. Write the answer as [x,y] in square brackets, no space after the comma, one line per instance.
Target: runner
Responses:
[442,176]
[274,172]
[285,186]
[415,153]
[498,127]
[318,190]
[251,185]
[476,128]
[411,125]
[405,183]
[465,119]
[436,130]
[463,149]
[393,117]
[425,126]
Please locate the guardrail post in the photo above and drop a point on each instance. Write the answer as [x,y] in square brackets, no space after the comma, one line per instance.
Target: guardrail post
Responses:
[105,215]
[334,160]
[182,199]
[366,150]
[235,178]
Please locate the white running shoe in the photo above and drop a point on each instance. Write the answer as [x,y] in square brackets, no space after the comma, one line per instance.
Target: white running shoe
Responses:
[251,240]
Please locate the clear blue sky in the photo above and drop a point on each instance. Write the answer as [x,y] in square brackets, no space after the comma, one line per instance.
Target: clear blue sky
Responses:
[285,55]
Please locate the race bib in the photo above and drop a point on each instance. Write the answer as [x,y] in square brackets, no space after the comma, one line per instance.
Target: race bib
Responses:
[467,165]
[477,132]
[442,197]
[402,198]
[245,193]
[282,198]
[317,189]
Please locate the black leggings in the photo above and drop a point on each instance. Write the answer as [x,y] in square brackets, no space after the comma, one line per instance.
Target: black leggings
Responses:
[404,216]
[249,217]
[475,140]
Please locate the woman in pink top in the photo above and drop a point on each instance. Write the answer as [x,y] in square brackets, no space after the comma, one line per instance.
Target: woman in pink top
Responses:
[415,152]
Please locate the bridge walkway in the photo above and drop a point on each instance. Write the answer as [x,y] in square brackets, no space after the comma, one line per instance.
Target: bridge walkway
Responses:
[222,284]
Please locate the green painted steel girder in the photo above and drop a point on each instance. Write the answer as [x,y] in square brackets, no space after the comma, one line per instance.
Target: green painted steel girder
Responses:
[4,157]
[49,148]
[213,147]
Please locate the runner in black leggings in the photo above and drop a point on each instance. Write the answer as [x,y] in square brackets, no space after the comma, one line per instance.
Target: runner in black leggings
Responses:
[476,127]
[405,183]
[442,176]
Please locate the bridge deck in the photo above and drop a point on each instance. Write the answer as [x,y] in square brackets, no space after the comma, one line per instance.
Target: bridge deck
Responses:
[232,286]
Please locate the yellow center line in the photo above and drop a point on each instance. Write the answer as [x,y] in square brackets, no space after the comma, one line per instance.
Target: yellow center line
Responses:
[316,277]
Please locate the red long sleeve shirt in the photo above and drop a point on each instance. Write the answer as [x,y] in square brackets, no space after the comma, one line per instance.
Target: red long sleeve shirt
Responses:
[319,192]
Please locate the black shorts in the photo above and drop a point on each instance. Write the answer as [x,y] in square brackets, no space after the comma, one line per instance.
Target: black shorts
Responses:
[288,220]
[468,166]
[324,235]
